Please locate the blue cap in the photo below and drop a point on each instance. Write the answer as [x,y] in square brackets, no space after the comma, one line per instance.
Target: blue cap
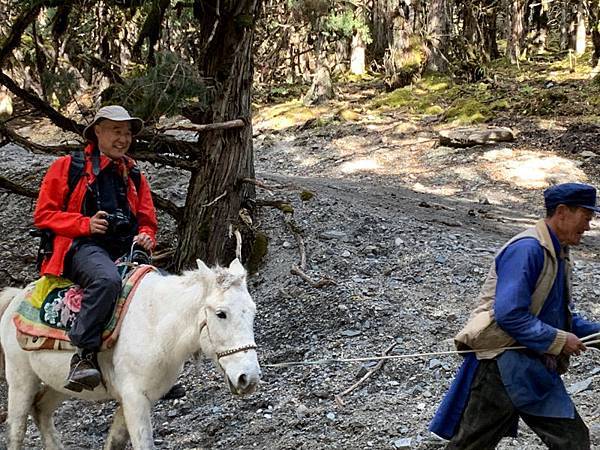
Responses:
[572,194]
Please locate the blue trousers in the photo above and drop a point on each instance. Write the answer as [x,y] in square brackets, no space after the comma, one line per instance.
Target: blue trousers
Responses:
[92,268]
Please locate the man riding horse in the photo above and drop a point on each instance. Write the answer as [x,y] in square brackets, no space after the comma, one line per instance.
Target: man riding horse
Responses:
[95,222]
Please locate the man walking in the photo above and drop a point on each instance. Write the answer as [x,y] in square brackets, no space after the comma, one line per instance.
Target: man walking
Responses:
[525,301]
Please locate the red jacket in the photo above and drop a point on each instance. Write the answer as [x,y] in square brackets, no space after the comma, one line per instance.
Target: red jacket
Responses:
[70,224]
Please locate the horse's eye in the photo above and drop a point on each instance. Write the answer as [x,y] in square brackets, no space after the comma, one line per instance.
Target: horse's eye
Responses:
[221,315]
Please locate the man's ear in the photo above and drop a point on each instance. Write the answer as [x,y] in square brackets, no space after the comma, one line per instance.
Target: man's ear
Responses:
[561,210]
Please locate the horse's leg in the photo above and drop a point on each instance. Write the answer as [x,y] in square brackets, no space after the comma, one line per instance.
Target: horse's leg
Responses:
[22,389]
[44,405]
[118,436]
[136,408]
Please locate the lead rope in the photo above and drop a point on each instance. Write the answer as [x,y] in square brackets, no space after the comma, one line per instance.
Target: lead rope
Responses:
[588,340]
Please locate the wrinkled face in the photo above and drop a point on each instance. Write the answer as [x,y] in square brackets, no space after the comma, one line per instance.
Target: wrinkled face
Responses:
[574,222]
[114,138]
[230,327]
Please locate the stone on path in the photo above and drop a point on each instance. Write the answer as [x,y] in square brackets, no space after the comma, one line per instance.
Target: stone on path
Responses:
[470,136]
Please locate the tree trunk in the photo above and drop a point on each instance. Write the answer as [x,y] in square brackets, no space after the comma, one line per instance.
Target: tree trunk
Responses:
[321,88]
[470,22]
[383,14]
[357,57]
[568,25]
[215,194]
[516,30]
[580,29]
[539,19]
[594,24]
[438,28]
[490,44]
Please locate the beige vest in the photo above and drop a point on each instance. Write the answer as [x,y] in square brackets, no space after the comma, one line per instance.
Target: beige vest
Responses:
[482,333]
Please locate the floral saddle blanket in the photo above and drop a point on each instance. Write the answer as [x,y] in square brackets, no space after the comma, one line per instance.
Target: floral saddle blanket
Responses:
[50,307]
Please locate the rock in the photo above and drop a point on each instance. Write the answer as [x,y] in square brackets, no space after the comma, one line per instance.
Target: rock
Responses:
[470,136]
[370,250]
[302,412]
[332,234]
[403,443]
[350,333]
[321,393]
[588,154]
[434,363]
[580,386]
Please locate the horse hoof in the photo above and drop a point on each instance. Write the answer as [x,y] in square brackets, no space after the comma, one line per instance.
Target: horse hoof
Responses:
[74,386]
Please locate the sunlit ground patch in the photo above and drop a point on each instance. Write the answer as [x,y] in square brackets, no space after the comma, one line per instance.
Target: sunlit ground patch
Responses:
[529,169]
[359,165]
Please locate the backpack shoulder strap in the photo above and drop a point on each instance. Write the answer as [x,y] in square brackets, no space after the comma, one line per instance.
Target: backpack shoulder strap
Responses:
[76,169]
[136,176]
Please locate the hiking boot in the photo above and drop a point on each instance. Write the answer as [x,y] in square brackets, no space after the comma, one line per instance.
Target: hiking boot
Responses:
[84,373]
[139,255]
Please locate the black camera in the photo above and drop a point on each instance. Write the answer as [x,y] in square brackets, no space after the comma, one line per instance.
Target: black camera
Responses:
[118,223]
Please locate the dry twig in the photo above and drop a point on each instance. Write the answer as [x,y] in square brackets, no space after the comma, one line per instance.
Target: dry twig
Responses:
[325,281]
[339,397]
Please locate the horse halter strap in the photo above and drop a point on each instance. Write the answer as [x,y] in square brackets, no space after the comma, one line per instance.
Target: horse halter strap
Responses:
[232,351]
[236,350]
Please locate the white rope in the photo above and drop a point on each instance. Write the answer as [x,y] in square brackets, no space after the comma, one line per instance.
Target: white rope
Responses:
[588,340]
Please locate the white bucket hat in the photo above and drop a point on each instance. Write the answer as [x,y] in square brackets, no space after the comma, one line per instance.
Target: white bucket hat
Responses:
[116,113]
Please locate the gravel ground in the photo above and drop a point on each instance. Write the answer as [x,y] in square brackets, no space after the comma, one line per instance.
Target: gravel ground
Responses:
[405,229]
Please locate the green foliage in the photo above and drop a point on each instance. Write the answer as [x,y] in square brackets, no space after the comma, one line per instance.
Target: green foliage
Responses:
[346,23]
[306,195]
[150,92]
[60,86]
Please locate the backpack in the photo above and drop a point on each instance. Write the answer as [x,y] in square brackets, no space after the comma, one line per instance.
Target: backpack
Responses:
[76,171]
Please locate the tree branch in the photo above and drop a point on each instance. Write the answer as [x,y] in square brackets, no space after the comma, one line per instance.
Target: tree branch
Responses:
[142,152]
[13,187]
[15,138]
[237,123]
[176,212]
[57,118]
[17,29]
[161,203]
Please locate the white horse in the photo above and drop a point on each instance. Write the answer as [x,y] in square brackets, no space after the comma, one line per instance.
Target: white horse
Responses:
[170,318]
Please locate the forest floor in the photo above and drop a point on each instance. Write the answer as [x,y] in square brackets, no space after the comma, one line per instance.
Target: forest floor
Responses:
[405,228]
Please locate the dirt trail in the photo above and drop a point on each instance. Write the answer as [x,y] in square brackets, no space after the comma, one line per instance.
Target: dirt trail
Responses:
[407,230]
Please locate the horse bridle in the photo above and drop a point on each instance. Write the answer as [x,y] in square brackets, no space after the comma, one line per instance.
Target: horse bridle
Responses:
[229,352]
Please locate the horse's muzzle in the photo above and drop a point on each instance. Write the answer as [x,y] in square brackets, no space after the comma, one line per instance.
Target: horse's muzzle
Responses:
[246,383]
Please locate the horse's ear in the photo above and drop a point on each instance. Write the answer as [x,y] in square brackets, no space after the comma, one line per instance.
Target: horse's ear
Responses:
[203,268]
[236,268]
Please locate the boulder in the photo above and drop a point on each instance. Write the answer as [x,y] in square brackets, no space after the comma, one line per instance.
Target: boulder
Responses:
[470,136]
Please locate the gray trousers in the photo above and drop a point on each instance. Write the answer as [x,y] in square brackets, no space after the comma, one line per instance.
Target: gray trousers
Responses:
[92,268]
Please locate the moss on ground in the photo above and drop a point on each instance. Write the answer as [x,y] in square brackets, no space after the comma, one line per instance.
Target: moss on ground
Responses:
[260,247]
[546,85]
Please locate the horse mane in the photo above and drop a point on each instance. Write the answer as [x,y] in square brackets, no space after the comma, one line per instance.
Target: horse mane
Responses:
[223,278]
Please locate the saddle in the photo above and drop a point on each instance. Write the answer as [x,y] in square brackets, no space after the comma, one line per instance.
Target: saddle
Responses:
[51,304]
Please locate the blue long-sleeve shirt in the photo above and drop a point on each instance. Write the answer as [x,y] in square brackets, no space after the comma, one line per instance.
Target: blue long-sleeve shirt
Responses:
[533,388]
